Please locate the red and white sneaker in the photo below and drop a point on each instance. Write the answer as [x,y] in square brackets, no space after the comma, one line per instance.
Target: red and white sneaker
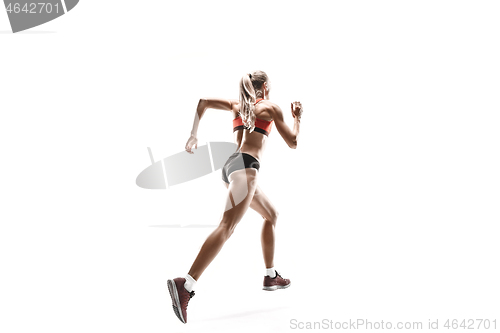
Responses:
[180,297]
[277,282]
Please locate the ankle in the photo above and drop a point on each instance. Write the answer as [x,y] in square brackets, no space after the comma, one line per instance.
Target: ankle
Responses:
[190,283]
[271,272]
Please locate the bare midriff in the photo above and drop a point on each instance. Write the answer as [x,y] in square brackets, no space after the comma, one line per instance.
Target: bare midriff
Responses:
[253,143]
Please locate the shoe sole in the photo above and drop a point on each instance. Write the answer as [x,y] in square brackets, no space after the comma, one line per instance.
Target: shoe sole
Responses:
[273,288]
[176,304]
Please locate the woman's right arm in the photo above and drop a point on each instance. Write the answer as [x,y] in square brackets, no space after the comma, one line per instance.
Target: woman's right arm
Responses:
[211,103]
[203,105]
[290,136]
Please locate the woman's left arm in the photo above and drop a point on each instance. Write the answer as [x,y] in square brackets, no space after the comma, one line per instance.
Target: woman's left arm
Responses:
[203,105]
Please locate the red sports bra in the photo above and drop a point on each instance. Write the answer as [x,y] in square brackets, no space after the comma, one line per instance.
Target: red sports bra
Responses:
[261,125]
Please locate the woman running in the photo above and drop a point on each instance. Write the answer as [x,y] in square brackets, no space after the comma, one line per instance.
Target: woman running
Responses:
[253,118]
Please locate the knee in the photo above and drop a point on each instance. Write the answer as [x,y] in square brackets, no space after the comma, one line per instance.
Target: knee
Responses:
[227,228]
[273,217]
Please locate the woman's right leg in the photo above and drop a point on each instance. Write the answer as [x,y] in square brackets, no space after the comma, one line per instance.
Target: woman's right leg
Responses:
[262,205]
[243,184]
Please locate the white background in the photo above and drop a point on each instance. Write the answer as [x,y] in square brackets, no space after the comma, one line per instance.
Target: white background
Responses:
[389,207]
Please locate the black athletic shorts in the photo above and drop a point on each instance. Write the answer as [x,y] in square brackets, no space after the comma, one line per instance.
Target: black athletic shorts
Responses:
[238,161]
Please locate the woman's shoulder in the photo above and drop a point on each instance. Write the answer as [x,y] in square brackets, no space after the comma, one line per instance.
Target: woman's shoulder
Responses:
[270,107]
[266,110]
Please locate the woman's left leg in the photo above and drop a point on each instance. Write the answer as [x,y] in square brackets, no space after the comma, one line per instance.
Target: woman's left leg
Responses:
[265,208]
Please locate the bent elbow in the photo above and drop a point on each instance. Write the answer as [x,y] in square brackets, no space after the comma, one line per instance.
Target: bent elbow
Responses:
[295,140]
[203,101]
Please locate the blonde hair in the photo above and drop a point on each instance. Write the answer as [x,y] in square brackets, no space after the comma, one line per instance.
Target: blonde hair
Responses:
[250,86]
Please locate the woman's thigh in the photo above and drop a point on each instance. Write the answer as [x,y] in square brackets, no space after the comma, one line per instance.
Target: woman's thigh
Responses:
[241,190]
[260,203]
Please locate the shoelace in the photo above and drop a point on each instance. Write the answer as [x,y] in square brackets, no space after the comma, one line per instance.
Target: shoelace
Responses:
[191,294]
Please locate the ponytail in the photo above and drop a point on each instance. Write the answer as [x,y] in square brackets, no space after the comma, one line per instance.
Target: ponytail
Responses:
[247,102]
[250,89]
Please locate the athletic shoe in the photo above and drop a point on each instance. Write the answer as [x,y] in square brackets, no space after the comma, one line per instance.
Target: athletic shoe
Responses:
[180,297]
[277,282]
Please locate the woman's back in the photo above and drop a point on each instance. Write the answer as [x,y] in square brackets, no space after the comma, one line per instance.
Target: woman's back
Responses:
[254,142]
